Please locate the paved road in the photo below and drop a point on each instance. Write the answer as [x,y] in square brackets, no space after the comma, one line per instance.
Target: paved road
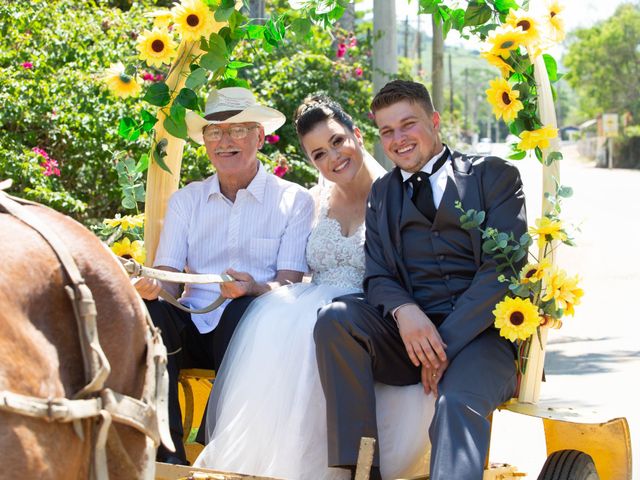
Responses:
[593,362]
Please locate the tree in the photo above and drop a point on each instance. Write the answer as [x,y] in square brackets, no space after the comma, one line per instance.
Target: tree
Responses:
[437,64]
[604,64]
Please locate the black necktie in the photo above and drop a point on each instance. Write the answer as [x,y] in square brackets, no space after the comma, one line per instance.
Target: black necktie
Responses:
[422,196]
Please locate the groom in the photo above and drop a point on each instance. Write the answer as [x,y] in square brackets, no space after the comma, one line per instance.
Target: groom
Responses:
[429,291]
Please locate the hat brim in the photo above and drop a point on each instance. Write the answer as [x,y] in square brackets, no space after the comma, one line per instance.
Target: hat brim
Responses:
[270,119]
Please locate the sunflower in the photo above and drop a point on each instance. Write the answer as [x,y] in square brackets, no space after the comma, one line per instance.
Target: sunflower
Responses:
[504,39]
[548,229]
[161,17]
[563,289]
[527,23]
[533,272]
[517,318]
[128,222]
[504,99]
[128,249]
[555,23]
[497,61]
[156,47]
[193,20]
[529,140]
[119,83]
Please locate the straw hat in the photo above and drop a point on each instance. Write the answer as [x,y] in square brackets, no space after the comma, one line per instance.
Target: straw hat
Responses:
[233,105]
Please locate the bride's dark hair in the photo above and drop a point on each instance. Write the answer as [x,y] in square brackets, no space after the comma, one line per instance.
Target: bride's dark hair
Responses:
[318,108]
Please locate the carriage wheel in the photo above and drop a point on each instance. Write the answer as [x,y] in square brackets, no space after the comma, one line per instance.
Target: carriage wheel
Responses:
[569,465]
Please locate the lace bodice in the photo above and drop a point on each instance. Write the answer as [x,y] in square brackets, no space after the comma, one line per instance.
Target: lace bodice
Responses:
[333,258]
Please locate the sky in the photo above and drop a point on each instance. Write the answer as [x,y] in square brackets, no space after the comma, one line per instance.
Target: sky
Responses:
[577,14]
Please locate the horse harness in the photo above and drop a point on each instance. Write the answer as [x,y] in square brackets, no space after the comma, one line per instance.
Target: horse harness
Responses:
[94,401]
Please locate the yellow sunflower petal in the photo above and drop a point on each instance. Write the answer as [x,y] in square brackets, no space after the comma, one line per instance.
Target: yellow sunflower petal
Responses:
[516,318]
[529,140]
[193,20]
[504,39]
[527,23]
[119,83]
[156,47]
[504,100]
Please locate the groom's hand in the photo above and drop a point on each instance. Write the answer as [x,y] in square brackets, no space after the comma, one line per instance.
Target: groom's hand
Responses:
[420,336]
[243,285]
[430,378]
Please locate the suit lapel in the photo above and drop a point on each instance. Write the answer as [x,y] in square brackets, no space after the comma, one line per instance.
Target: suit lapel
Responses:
[469,192]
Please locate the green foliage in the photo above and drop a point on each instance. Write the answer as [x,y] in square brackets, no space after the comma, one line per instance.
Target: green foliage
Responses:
[603,64]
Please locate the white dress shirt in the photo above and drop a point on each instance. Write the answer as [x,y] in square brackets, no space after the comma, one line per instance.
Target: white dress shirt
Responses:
[263,231]
[438,179]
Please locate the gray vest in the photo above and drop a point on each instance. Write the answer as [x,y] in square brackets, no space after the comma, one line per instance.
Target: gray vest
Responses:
[439,256]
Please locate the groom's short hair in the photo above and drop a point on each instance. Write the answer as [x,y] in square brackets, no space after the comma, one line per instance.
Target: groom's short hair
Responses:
[399,90]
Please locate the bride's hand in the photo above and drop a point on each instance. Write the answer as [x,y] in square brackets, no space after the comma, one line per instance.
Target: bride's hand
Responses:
[421,337]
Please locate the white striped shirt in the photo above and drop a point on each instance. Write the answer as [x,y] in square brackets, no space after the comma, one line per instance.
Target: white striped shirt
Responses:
[263,231]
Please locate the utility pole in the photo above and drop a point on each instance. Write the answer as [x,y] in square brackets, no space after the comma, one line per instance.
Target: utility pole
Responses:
[450,87]
[437,65]
[406,36]
[385,54]
[419,46]
[466,99]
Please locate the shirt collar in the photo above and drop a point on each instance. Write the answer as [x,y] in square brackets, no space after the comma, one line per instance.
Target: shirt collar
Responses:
[256,188]
[426,168]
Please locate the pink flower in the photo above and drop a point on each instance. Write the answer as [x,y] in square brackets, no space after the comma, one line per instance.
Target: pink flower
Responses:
[280,170]
[27,65]
[40,151]
[158,78]
[147,77]
[342,49]
[353,42]
[359,72]
[50,167]
[272,138]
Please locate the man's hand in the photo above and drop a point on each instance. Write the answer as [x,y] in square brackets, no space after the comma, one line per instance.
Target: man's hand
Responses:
[421,338]
[430,377]
[243,285]
[147,288]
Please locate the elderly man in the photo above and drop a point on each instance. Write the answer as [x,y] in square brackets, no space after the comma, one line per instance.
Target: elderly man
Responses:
[242,221]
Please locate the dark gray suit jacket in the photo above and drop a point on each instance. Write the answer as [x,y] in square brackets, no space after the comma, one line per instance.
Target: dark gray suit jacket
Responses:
[483,183]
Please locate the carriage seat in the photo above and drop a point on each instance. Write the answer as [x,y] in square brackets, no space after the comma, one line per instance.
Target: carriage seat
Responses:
[194,387]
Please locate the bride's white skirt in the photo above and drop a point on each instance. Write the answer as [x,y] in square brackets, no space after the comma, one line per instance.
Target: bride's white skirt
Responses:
[267,413]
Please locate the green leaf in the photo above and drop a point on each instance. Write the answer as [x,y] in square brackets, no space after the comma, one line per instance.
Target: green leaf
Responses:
[157,94]
[274,32]
[429,6]
[128,129]
[143,163]
[138,192]
[196,78]
[519,255]
[457,19]
[217,44]
[518,155]
[479,217]
[128,202]
[213,61]
[159,152]
[255,32]
[224,11]
[489,246]
[477,14]
[552,157]
[148,120]
[565,191]
[187,98]
[238,65]
[130,70]
[525,240]
[552,67]
[503,6]
[301,27]
[174,123]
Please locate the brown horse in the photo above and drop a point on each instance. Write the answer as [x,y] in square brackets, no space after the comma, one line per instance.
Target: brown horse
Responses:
[41,354]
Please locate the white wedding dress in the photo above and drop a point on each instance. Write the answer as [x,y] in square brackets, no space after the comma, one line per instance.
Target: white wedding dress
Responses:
[267,413]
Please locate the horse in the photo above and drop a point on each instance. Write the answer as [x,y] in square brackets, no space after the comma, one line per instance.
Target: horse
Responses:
[62,414]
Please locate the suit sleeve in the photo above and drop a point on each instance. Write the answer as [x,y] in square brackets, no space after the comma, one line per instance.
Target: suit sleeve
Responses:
[505,211]
[382,287]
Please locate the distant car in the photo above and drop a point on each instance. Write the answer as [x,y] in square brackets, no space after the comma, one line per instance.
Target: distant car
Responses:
[484,146]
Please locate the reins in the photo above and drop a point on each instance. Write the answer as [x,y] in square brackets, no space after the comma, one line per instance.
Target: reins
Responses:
[94,401]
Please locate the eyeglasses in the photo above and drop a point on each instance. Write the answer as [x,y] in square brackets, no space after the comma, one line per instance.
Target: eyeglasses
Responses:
[214,133]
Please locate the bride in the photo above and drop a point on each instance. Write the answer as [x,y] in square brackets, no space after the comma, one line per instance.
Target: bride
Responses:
[267,412]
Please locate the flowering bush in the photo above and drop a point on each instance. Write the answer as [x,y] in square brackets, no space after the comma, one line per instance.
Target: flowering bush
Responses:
[540,294]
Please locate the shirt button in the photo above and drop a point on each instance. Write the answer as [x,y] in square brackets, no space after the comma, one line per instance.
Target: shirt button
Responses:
[453,307]
[436,234]
[447,277]
[441,257]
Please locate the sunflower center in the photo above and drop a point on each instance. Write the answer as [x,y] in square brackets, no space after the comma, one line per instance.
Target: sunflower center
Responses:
[193,20]
[157,46]
[552,13]
[124,78]
[525,24]
[507,44]
[531,273]
[505,98]
[126,255]
[516,318]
